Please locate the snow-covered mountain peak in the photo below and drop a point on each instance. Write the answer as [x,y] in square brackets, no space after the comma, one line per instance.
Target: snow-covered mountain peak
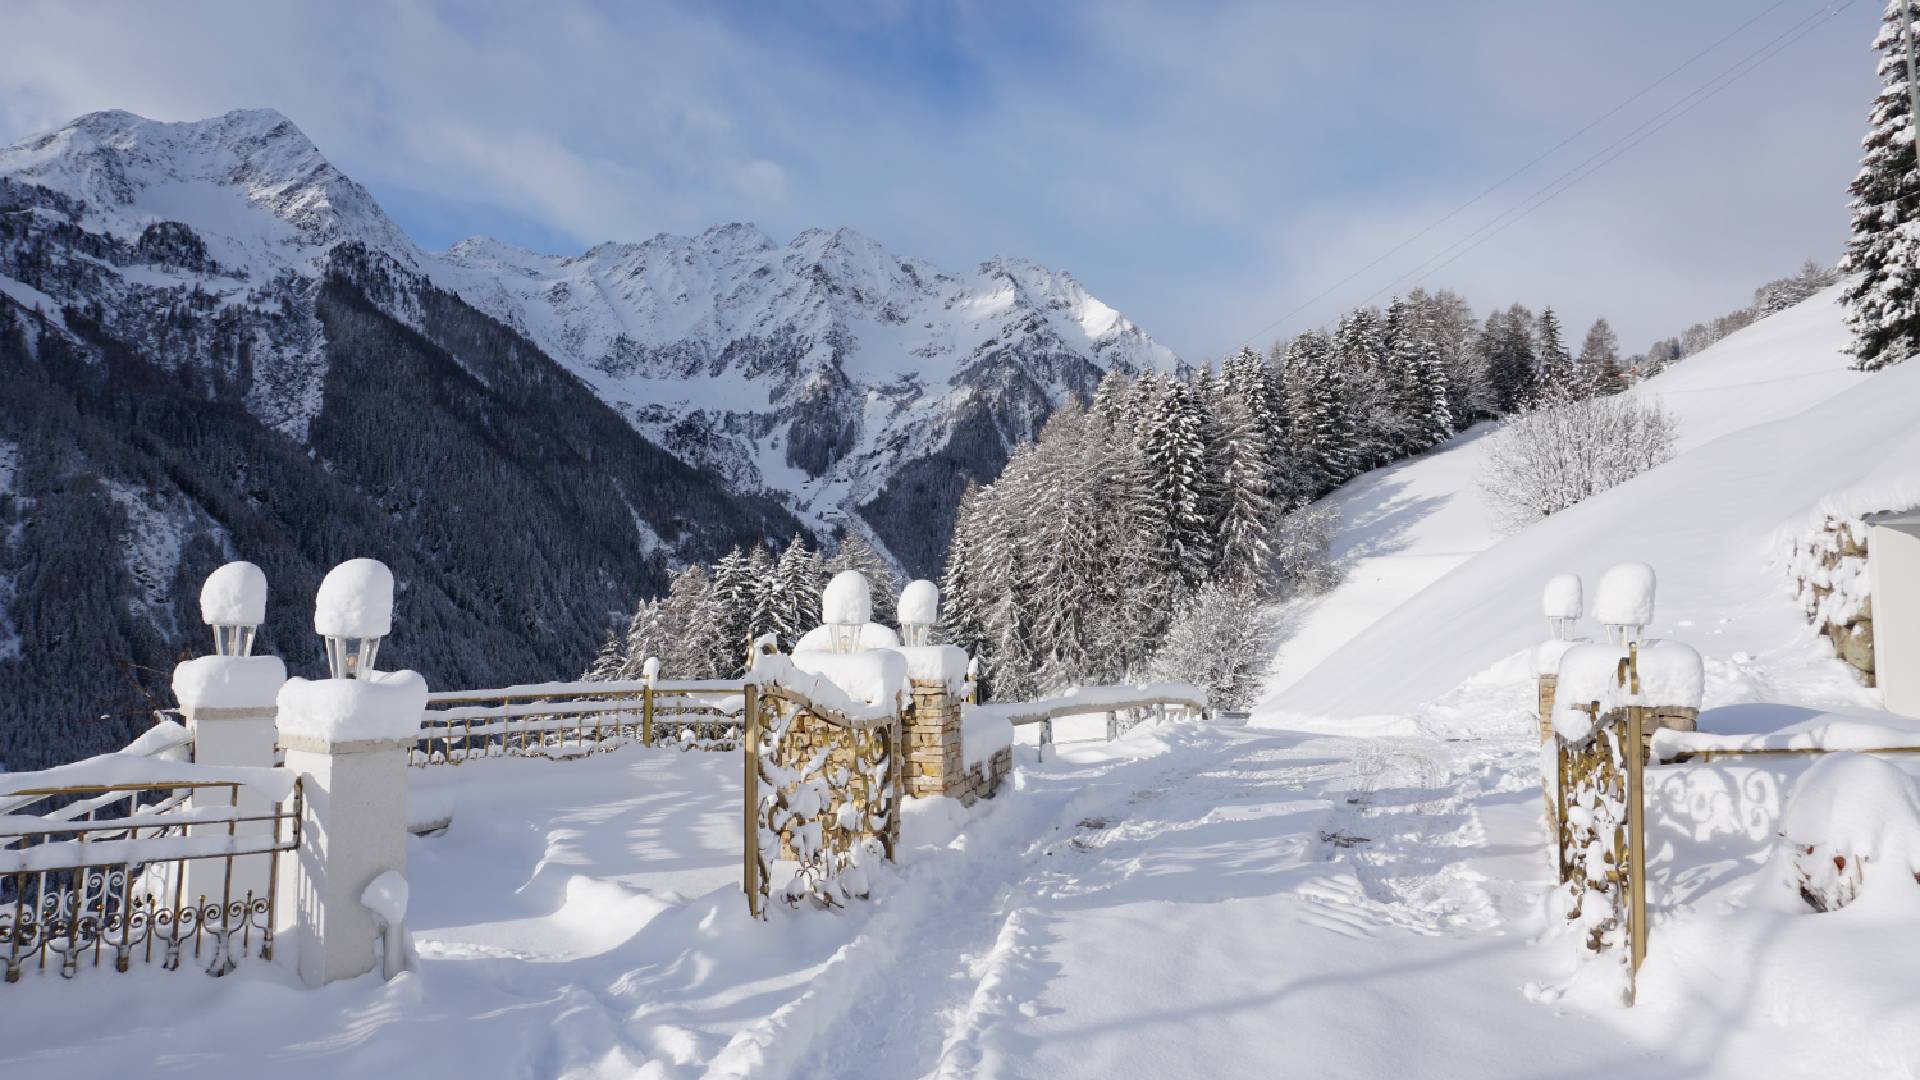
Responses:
[214,175]
[820,370]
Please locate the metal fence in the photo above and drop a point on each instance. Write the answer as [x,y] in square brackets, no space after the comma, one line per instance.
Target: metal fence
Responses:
[144,872]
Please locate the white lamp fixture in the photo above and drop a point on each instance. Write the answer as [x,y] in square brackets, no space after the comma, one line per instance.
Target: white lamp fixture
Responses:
[846,605]
[1560,602]
[919,611]
[234,603]
[353,611]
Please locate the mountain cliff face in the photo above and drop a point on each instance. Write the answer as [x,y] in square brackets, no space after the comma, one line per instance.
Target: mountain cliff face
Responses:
[217,345]
[827,371]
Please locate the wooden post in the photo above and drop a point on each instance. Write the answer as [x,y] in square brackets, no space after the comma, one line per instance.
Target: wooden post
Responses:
[750,785]
[1636,843]
[1113,725]
[646,715]
[1560,806]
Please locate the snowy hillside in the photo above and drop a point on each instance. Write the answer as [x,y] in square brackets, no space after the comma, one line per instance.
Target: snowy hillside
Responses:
[1772,426]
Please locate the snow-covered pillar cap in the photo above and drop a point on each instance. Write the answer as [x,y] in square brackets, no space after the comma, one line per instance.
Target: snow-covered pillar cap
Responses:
[233,602]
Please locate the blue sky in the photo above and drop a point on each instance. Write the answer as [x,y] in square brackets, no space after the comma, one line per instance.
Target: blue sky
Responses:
[1203,168]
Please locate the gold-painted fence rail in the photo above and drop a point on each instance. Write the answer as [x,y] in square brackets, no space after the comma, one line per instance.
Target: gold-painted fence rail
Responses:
[119,873]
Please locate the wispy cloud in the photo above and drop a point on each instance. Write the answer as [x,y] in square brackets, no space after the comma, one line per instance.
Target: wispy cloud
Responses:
[1200,167]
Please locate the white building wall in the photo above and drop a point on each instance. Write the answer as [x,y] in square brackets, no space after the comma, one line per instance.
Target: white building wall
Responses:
[1893,558]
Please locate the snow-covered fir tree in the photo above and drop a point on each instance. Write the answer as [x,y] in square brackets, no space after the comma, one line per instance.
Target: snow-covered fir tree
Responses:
[1557,379]
[1248,510]
[1600,360]
[962,620]
[1174,442]
[1319,425]
[735,593]
[1507,349]
[693,646]
[1883,307]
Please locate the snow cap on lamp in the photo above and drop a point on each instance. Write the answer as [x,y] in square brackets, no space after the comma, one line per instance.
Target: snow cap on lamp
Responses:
[353,611]
[234,603]
[1623,601]
[1560,603]
[919,610]
[846,604]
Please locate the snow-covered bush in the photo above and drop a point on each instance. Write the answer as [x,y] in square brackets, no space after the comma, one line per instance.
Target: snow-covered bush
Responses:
[1221,640]
[1547,459]
[1301,560]
[1852,819]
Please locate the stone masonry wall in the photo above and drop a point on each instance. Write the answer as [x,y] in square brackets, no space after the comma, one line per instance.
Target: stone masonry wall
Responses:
[1830,578]
[936,758]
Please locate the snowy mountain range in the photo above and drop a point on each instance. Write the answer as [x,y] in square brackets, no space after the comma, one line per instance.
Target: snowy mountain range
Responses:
[218,345]
[828,373]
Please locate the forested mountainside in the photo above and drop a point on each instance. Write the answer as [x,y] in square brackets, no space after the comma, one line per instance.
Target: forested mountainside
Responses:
[518,511]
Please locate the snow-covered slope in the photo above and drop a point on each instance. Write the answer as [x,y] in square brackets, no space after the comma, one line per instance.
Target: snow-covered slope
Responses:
[814,369]
[1771,425]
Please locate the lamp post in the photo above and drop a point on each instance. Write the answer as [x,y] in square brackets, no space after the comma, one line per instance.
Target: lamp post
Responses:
[919,610]
[846,605]
[353,612]
[233,602]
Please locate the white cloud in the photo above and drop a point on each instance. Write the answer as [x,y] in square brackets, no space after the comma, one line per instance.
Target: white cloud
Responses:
[1201,168]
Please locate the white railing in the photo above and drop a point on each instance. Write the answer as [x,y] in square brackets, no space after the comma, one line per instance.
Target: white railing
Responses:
[1131,700]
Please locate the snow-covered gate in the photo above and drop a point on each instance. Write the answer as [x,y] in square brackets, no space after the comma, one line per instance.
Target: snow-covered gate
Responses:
[823,787]
[1600,828]
[127,859]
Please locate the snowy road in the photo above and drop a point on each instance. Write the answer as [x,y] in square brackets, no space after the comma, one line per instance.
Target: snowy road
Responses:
[1192,900]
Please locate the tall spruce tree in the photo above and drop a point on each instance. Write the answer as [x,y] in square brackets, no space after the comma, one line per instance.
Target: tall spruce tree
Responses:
[1507,348]
[1174,442]
[1883,297]
[1319,426]
[1600,360]
[735,593]
[962,620]
[690,621]
[1557,381]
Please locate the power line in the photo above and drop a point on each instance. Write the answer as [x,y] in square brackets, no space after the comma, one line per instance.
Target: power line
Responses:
[1608,154]
[1509,177]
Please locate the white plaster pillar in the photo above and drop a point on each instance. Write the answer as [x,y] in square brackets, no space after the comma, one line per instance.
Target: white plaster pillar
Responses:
[228,705]
[347,739]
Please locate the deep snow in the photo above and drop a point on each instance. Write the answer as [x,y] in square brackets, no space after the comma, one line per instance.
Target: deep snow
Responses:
[1772,429]
[1188,901]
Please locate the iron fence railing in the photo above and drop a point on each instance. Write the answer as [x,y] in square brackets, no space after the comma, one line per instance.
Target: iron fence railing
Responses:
[141,871]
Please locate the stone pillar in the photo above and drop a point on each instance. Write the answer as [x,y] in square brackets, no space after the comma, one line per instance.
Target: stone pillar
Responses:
[935,759]
[1546,706]
[347,739]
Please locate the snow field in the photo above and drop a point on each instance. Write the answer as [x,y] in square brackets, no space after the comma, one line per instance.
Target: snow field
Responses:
[1772,429]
